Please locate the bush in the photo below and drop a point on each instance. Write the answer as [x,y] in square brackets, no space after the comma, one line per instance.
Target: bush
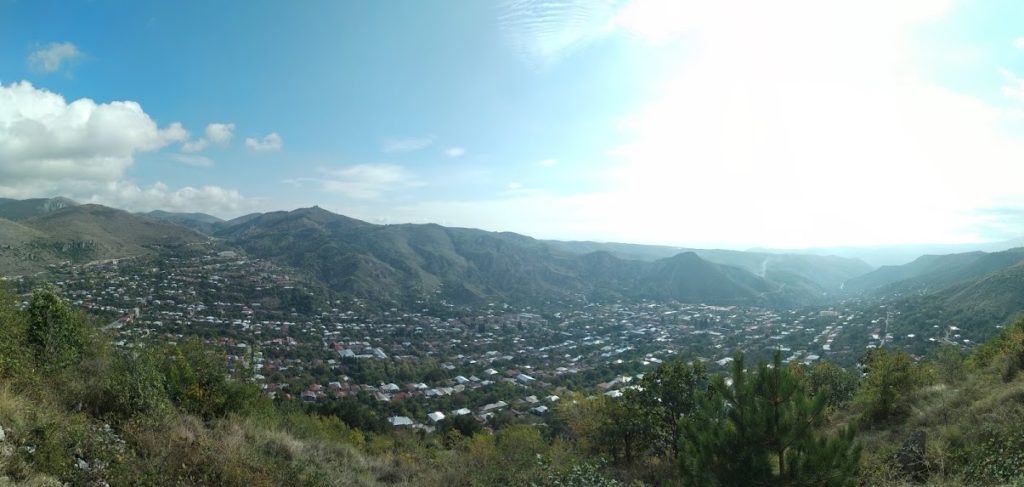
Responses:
[891,378]
[55,332]
[135,385]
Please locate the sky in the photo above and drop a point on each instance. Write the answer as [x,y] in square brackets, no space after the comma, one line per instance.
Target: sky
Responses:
[735,124]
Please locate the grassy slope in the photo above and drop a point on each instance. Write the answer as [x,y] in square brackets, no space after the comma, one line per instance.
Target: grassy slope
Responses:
[970,415]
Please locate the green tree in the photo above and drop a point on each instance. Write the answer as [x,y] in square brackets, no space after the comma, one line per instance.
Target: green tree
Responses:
[891,377]
[626,429]
[669,396]
[837,384]
[762,429]
[197,381]
[15,355]
[55,332]
[466,425]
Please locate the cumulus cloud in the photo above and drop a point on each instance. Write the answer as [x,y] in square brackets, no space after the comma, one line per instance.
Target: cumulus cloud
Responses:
[270,143]
[405,144]
[363,181]
[44,137]
[83,149]
[220,133]
[51,57]
[209,199]
[547,162]
[215,133]
[455,151]
[1019,43]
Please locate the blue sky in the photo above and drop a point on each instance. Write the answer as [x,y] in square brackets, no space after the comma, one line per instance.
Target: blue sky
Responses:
[732,124]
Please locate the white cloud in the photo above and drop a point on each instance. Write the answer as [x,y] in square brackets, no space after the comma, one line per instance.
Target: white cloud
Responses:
[1014,87]
[193,160]
[50,58]
[270,143]
[405,144]
[194,145]
[455,151]
[42,136]
[220,133]
[515,185]
[1019,43]
[363,181]
[215,133]
[83,149]
[208,199]
[547,162]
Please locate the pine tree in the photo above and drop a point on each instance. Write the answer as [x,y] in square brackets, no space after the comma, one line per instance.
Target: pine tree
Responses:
[762,430]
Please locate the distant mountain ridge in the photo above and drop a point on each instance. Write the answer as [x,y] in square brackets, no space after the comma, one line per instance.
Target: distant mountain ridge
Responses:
[934,272]
[408,261]
[200,222]
[975,290]
[826,273]
[82,233]
[894,255]
[17,210]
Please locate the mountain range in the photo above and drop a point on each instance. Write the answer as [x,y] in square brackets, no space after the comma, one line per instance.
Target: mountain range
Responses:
[408,262]
[405,262]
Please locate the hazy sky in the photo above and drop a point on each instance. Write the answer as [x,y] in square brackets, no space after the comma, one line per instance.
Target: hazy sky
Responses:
[728,123]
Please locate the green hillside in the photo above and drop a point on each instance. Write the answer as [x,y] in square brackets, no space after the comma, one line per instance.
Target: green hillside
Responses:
[935,272]
[107,233]
[83,233]
[399,263]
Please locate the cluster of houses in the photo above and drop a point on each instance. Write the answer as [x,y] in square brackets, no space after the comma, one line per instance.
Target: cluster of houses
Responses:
[572,345]
[483,413]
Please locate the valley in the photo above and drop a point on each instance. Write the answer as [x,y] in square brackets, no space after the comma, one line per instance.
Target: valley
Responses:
[423,329]
[417,319]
